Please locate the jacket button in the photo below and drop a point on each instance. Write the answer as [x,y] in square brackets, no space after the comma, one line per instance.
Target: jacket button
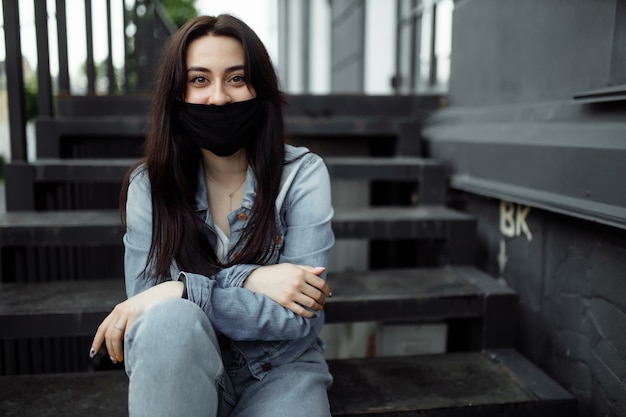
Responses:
[242,216]
[266,367]
[236,256]
[278,239]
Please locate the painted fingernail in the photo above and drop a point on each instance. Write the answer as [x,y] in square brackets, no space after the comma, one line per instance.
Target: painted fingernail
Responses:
[112,359]
[330,294]
[92,352]
[118,358]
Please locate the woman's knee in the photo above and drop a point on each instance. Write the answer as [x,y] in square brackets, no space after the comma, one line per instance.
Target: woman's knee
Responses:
[174,325]
[173,361]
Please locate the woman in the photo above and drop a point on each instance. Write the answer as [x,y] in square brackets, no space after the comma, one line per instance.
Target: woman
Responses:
[227,237]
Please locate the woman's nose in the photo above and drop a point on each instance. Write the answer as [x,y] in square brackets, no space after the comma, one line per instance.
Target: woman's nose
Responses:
[218,96]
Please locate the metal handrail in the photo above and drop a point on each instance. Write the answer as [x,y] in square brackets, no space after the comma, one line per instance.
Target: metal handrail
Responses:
[153,26]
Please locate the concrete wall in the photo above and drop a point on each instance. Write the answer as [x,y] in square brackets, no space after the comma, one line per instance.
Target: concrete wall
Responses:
[570,276]
[510,51]
[508,135]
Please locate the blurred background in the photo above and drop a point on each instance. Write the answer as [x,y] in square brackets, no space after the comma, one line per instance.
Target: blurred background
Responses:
[522,102]
[296,33]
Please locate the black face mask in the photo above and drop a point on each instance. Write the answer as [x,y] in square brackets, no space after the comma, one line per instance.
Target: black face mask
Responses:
[222,130]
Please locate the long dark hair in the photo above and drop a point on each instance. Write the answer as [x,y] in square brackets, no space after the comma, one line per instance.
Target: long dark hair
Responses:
[172,162]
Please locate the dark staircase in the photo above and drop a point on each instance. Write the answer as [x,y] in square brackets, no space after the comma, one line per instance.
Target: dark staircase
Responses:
[61,272]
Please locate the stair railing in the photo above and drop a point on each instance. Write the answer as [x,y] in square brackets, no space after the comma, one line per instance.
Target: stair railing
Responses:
[145,26]
[15,80]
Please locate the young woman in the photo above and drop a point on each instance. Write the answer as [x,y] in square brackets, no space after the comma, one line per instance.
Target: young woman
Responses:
[227,238]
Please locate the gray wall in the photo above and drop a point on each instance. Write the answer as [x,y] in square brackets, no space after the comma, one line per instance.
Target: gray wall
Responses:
[514,133]
[511,51]
[571,282]
[348,46]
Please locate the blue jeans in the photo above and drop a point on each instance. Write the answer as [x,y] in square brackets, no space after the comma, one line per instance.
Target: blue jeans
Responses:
[176,367]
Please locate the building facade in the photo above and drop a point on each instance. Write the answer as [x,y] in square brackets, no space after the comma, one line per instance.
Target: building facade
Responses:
[534,137]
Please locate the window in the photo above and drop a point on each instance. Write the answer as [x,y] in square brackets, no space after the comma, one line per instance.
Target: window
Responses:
[423,44]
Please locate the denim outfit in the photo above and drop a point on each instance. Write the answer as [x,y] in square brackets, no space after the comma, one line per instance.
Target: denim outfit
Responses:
[227,350]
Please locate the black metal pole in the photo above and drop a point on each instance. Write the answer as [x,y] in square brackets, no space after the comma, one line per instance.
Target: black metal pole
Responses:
[44,82]
[110,68]
[433,48]
[64,74]
[91,68]
[15,80]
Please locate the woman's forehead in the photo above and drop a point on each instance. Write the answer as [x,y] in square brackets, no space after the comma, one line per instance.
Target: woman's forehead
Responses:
[210,51]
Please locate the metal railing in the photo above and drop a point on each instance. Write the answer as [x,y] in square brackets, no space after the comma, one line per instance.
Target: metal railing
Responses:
[145,27]
[422,55]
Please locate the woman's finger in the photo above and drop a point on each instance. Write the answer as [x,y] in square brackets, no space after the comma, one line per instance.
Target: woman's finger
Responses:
[316,270]
[113,329]
[312,298]
[319,284]
[99,337]
[299,310]
[113,338]
[308,302]
[118,330]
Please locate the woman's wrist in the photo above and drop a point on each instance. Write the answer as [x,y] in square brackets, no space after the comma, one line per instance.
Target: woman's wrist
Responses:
[176,289]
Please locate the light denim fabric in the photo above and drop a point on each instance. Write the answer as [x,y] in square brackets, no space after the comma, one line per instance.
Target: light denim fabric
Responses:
[178,367]
[265,334]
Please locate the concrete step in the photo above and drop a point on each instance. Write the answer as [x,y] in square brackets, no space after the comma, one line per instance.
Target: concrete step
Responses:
[48,246]
[103,227]
[114,169]
[26,179]
[313,106]
[115,126]
[491,383]
[76,308]
[73,137]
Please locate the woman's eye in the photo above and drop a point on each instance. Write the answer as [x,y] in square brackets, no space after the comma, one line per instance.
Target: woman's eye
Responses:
[238,79]
[199,80]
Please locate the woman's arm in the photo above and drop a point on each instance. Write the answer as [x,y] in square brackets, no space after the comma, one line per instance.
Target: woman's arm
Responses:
[222,303]
[138,236]
[298,280]
[241,314]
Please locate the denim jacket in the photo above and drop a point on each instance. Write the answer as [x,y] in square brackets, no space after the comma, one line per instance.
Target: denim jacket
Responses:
[266,333]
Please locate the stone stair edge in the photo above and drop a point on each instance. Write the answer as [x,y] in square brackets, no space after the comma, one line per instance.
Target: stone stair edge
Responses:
[409,294]
[313,105]
[396,167]
[492,382]
[105,217]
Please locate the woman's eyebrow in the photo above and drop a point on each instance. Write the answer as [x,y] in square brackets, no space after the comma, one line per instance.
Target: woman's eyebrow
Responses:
[229,69]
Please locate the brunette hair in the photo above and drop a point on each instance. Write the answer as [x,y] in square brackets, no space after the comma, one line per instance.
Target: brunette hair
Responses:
[172,161]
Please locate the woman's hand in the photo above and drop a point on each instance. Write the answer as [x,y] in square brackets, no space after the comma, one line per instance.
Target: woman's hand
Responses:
[292,286]
[113,327]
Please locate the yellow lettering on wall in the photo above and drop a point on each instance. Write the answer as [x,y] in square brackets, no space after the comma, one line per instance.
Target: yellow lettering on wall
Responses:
[507,218]
[520,222]
[513,220]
